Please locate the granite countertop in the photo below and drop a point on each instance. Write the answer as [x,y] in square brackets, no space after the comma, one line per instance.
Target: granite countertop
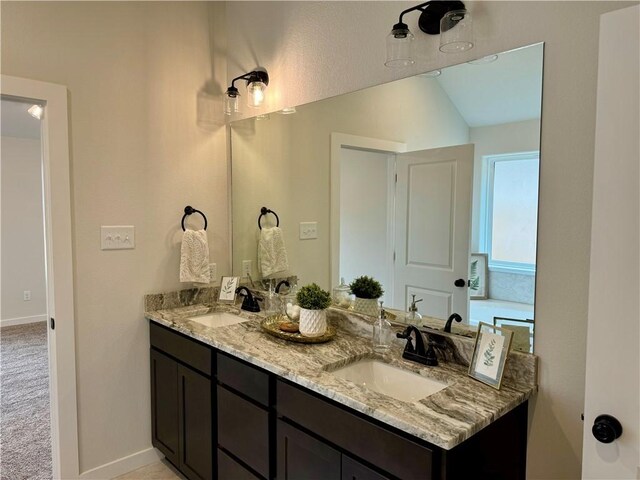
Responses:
[445,418]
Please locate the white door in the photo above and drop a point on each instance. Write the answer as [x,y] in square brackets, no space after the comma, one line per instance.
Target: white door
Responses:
[613,370]
[433,217]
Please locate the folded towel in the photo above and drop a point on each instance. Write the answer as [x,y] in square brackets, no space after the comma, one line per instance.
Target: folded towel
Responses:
[272,256]
[194,257]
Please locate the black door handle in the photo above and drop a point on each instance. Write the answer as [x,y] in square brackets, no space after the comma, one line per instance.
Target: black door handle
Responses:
[460,282]
[606,428]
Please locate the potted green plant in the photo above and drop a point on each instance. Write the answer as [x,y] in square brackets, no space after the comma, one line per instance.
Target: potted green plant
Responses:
[313,302]
[367,291]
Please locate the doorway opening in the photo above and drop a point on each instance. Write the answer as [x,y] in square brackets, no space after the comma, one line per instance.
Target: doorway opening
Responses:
[51,342]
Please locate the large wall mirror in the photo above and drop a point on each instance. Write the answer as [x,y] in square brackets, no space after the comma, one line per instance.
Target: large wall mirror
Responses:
[428,184]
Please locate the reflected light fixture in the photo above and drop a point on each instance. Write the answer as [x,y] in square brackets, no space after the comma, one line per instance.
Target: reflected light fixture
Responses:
[257,82]
[36,111]
[287,110]
[450,19]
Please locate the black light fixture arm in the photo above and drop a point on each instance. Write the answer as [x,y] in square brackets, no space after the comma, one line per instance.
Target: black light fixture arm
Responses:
[253,76]
[413,9]
[432,13]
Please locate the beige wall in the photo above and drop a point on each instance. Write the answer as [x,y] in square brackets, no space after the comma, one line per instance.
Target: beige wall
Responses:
[138,156]
[284,162]
[299,43]
[23,266]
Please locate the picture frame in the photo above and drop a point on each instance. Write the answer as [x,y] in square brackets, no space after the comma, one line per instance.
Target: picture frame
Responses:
[523,332]
[478,276]
[228,286]
[490,354]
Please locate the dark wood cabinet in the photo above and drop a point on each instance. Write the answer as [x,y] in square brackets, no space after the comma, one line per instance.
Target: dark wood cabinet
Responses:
[302,457]
[181,407]
[353,470]
[216,416]
[164,405]
[194,412]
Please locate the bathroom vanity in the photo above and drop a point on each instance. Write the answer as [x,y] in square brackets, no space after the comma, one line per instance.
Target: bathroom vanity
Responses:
[231,402]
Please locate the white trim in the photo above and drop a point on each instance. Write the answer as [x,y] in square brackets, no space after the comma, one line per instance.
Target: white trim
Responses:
[339,140]
[123,465]
[59,267]
[10,322]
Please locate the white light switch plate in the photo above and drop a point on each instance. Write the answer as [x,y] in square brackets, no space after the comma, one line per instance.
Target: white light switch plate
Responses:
[308,230]
[117,237]
[246,268]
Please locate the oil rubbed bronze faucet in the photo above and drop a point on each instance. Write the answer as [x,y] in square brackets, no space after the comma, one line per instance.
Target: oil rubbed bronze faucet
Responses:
[418,353]
[249,303]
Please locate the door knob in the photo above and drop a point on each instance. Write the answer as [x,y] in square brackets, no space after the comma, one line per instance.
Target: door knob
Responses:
[460,282]
[606,428]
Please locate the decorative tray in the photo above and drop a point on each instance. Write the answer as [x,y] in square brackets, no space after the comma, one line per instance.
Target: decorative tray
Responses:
[271,325]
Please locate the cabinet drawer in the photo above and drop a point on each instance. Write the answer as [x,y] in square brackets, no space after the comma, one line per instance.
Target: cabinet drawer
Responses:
[229,469]
[191,352]
[389,451]
[352,470]
[244,378]
[243,430]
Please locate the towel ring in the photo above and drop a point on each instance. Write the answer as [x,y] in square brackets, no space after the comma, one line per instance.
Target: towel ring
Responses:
[263,212]
[188,210]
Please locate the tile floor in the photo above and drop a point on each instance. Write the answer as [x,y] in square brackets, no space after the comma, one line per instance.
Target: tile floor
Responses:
[156,471]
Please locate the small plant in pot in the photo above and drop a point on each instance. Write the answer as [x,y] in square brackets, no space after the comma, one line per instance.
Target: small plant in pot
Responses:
[313,302]
[367,291]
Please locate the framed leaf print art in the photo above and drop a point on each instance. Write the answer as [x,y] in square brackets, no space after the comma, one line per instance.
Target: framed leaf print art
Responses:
[478,276]
[490,354]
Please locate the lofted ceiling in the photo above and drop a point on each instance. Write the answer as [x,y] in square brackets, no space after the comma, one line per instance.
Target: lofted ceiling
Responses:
[504,91]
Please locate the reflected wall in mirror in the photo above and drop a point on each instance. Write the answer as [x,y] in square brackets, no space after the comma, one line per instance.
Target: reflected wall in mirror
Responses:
[404,181]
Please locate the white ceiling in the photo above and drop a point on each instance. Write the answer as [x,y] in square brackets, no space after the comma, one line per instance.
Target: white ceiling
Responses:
[16,122]
[504,91]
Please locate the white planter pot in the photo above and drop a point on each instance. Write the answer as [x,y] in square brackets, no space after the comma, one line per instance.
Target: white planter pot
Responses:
[313,323]
[368,306]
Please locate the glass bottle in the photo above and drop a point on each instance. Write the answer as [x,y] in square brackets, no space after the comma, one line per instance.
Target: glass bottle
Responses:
[413,317]
[342,295]
[382,332]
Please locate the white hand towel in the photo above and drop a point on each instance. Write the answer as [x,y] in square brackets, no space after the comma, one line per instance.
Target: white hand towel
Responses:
[194,257]
[272,255]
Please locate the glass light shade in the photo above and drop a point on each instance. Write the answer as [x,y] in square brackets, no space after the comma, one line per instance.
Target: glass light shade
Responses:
[231,103]
[456,31]
[399,49]
[255,91]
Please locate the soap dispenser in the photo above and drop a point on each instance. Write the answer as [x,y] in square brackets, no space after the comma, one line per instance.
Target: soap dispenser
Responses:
[413,317]
[382,332]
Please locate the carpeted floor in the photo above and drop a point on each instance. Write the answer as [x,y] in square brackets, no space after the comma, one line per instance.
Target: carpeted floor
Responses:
[25,424]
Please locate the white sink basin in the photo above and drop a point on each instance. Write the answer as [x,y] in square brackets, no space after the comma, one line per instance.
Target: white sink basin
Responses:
[217,319]
[389,380]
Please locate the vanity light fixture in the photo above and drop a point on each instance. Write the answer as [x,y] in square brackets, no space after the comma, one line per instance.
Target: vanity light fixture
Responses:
[483,60]
[257,81]
[287,111]
[36,111]
[450,19]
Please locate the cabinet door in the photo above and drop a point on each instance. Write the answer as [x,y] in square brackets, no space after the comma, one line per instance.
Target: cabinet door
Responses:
[164,406]
[302,457]
[353,470]
[196,446]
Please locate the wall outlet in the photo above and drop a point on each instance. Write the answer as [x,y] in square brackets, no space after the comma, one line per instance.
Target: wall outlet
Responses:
[27,295]
[308,230]
[246,268]
[117,237]
[213,271]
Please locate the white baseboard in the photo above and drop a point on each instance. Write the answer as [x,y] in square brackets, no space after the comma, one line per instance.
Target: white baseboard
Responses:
[123,465]
[9,322]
